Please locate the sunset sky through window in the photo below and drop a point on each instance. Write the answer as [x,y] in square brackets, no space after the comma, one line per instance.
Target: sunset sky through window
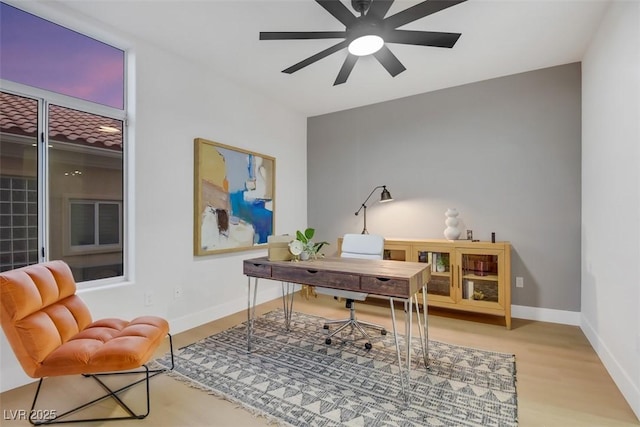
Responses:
[39,53]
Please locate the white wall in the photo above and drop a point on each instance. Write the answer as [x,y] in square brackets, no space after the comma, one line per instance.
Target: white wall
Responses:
[611,196]
[505,152]
[177,101]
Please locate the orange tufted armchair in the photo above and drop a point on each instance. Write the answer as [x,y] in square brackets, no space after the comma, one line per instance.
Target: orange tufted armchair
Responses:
[51,332]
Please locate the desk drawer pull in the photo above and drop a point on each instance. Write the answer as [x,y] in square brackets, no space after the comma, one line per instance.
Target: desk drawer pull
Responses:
[255,269]
[312,271]
[385,286]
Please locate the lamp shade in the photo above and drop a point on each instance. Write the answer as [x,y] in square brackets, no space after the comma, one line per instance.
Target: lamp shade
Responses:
[385,196]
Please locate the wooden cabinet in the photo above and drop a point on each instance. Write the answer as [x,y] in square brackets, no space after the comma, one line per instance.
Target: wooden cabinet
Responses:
[465,275]
[469,276]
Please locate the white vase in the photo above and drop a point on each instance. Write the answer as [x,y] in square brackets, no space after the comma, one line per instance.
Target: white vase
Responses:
[304,256]
[451,232]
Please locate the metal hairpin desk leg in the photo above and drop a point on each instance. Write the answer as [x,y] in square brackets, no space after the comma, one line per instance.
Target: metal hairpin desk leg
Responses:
[287,303]
[405,371]
[422,327]
[251,310]
[401,370]
[408,323]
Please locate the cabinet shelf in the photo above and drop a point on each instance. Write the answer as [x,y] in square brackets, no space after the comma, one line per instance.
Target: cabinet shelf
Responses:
[440,274]
[491,278]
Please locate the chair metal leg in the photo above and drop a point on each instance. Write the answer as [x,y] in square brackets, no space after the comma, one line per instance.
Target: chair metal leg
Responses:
[382,329]
[354,324]
[148,374]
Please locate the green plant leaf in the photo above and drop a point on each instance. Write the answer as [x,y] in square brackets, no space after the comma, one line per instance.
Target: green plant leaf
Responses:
[319,246]
[309,232]
[301,237]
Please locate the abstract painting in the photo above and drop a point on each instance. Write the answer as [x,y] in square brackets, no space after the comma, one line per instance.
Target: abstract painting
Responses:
[234,198]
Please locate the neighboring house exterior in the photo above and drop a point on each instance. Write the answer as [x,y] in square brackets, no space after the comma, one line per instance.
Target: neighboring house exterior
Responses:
[85,188]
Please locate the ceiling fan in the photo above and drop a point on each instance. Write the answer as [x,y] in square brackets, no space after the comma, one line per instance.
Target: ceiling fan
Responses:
[368,33]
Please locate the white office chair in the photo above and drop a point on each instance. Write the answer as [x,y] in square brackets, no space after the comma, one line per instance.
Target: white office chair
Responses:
[369,246]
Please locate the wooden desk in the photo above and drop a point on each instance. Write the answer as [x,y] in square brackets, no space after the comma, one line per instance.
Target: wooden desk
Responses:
[392,279]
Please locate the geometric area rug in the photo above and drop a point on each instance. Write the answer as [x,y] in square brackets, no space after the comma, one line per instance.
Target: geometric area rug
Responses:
[294,379]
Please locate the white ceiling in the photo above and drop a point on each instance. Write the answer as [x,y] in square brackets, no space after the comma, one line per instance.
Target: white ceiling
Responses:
[499,37]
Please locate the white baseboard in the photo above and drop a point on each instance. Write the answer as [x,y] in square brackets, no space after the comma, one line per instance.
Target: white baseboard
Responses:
[546,315]
[193,320]
[625,383]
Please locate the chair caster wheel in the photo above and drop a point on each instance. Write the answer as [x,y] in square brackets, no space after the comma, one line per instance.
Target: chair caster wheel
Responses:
[383,332]
[368,346]
[325,329]
[327,341]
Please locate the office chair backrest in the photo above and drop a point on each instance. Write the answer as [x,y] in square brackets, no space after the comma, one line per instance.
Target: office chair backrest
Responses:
[369,246]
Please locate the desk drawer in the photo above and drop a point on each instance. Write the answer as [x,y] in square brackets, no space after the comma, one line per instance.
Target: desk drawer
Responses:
[254,269]
[383,286]
[313,277]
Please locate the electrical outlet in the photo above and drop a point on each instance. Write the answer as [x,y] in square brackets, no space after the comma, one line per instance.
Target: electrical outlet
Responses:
[148,298]
[177,292]
[519,282]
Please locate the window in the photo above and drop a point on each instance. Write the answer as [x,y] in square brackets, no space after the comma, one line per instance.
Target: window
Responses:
[18,222]
[42,54]
[94,225]
[61,149]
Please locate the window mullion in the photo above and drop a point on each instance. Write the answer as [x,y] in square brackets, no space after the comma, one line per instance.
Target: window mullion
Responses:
[43,180]
[96,226]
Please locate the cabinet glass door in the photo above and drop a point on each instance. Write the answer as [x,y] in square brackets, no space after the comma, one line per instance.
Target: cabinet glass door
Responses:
[440,286]
[480,277]
[396,252]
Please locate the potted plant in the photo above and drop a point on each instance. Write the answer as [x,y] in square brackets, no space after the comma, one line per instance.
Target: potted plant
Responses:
[303,247]
[441,264]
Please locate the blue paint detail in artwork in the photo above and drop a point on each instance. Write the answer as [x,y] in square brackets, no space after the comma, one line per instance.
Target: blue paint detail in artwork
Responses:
[254,213]
[251,167]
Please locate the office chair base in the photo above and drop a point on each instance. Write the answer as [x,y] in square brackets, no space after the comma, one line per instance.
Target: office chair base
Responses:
[148,374]
[367,345]
[354,324]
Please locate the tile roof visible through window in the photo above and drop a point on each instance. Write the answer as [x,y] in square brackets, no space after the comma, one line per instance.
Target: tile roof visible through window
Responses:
[18,116]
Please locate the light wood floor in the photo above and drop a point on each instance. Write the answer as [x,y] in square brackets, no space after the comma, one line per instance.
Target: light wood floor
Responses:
[560,380]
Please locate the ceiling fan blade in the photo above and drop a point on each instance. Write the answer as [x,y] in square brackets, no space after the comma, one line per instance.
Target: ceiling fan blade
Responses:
[379,8]
[301,35]
[318,56]
[338,10]
[422,38]
[389,61]
[347,66]
[418,11]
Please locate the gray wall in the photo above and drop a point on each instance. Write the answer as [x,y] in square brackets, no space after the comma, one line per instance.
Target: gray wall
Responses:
[505,152]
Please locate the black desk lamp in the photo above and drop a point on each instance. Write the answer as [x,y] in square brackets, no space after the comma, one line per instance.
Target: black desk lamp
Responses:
[385,196]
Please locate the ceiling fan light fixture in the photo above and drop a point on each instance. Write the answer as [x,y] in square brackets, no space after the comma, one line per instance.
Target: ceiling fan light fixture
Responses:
[366,45]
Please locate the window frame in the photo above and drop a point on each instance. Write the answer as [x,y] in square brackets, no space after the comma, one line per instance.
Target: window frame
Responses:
[44,97]
[70,249]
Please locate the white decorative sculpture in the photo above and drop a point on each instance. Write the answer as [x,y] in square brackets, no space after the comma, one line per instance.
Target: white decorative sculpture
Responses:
[451,232]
